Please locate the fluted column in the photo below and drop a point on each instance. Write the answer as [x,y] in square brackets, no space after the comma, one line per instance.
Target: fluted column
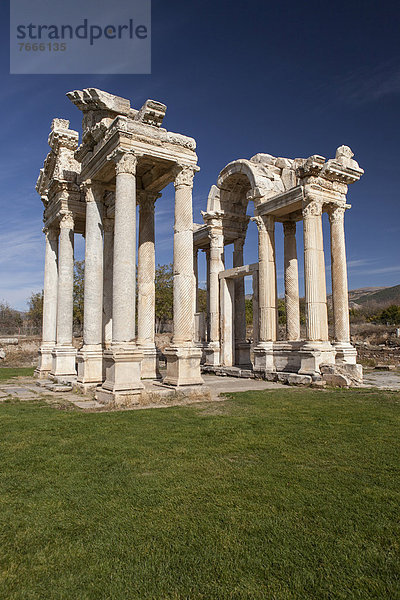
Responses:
[196,279]
[214,267]
[267,294]
[314,273]
[64,352]
[291,282]
[122,360]
[49,328]
[183,359]
[146,285]
[90,357]
[345,352]
[108,226]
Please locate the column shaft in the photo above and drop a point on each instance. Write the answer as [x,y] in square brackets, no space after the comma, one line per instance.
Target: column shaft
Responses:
[291,282]
[50,288]
[216,266]
[124,271]
[267,278]
[183,259]
[65,281]
[93,288]
[314,274]
[240,299]
[108,280]
[339,275]
[146,271]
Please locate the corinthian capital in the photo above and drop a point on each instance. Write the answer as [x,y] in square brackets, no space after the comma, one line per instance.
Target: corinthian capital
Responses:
[51,233]
[67,221]
[93,190]
[336,213]
[183,176]
[264,222]
[313,208]
[146,200]
[125,161]
[289,227]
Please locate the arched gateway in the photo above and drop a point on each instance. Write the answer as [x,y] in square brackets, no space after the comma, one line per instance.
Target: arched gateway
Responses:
[286,191]
[126,158]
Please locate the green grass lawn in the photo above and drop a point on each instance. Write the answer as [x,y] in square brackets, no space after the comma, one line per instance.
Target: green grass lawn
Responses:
[11,372]
[268,495]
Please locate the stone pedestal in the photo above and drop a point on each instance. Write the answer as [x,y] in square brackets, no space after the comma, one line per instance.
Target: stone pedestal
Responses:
[122,385]
[183,366]
[49,305]
[183,358]
[64,354]
[313,355]
[264,358]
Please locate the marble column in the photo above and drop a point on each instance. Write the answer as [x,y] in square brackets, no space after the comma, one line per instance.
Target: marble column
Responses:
[49,328]
[314,273]
[122,384]
[345,352]
[146,286]
[291,282]
[183,358]
[64,353]
[207,254]
[263,352]
[90,357]
[242,348]
[317,349]
[216,265]
[196,279]
[108,253]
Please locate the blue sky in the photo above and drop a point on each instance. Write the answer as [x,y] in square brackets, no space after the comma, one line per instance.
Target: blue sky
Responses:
[287,78]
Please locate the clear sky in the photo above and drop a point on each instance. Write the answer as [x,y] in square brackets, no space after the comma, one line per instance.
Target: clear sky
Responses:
[288,78]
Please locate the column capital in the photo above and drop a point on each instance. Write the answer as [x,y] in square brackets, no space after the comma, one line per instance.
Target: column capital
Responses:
[125,161]
[264,222]
[336,213]
[239,243]
[51,233]
[312,208]
[146,200]
[289,227]
[67,221]
[93,190]
[184,175]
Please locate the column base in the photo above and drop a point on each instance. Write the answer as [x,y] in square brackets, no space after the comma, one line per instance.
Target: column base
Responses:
[45,363]
[264,358]
[183,366]
[242,354]
[313,355]
[90,367]
[346,354]
[149,367]
[212,353]
[63,363]
[122,384]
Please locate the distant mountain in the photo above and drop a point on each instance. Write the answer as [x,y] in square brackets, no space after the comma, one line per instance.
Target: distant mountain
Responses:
[387,295]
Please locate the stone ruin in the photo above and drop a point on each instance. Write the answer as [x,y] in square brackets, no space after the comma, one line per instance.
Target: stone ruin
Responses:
[126,158]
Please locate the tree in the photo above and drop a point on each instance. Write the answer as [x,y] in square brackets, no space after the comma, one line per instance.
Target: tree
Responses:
[35,312]
[164,295]
[10,319]
[79,281]
[390,315]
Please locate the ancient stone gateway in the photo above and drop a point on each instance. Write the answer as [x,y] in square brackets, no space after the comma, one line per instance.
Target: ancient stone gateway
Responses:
[126,159]
[286,191]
